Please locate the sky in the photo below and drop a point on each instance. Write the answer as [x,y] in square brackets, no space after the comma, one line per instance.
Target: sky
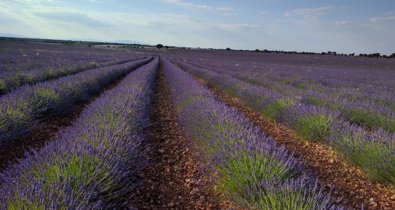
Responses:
[344,26]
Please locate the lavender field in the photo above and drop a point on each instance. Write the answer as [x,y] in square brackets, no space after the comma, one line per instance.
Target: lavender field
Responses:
[84,127]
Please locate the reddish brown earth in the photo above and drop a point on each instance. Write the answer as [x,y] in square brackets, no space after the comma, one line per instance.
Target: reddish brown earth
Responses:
[44,131]
[350,186]
[174,179]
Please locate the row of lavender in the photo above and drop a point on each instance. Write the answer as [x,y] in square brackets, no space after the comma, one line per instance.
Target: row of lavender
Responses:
[355,79]
[346,81]
[94,163]
[252,170]
[24,107]
[30,63]
[12,80]
[361,110]
[373,151]
[22,56]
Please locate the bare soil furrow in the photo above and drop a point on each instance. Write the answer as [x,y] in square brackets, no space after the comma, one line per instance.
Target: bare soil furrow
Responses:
[173,179]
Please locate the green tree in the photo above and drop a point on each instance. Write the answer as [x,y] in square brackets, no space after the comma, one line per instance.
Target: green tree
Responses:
[159,46]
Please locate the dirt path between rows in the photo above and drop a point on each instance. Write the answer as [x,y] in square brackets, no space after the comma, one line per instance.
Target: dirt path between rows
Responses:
[46,130]
[350,187]
[173,179]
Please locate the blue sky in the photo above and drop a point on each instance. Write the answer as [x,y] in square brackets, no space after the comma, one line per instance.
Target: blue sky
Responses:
[360,26]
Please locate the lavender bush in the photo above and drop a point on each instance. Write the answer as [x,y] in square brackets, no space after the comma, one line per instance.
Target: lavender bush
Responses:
[374,152]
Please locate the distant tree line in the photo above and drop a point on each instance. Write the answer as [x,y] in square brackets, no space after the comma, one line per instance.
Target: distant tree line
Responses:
[160,46]
[373,55]
[377,55]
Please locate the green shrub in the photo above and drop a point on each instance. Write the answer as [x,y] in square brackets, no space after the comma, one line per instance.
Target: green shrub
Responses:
[301,85]
[244,169]
[369,118]
[314,127]
[376,159]
[3,86]
[275,109]
[297,197]
[42,99]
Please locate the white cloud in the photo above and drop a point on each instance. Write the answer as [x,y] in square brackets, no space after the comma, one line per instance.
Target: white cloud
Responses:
[201,7]
[74,17]
[341,23]
[224,10]
[189,5]
[307,13]
[32,1]
[383,19]
[237,26]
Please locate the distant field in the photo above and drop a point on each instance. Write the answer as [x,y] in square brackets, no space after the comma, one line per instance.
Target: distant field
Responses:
[122,128]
